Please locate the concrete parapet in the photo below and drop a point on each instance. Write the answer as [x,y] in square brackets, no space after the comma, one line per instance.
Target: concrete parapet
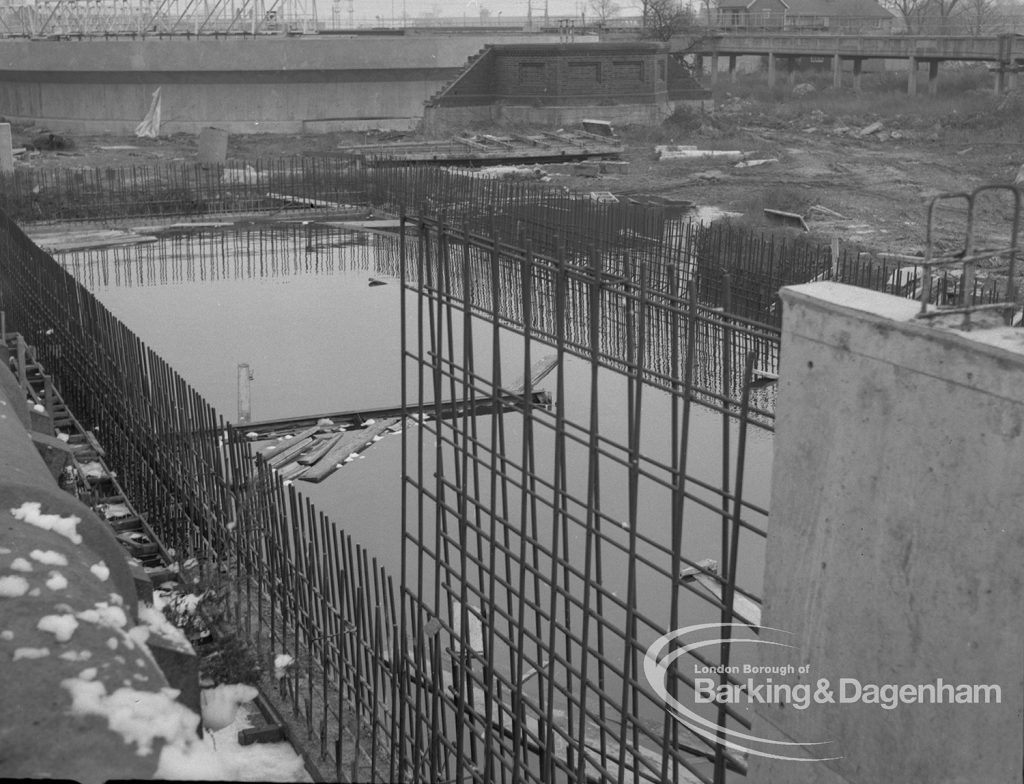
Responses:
[895,550]
[83,694]
[266,85]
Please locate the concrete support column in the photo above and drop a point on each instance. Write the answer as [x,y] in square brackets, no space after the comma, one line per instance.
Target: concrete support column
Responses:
[874,583]
[732,68]
[858,64]
[791,70]
[771,69]
[999,87]
[837,71]
[714,68]
[911,76]
[933,77]
[6,149]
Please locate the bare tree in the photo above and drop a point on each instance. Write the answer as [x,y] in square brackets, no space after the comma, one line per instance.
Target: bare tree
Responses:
[666,18]
[604,9]
[977,15]
[911,11]
[942,11]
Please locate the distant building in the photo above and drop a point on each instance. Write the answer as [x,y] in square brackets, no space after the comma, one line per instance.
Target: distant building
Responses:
[845,16]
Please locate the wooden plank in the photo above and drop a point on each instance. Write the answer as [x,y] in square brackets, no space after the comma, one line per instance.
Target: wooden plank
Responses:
[60,242]
[304,200]
[352,443]
[376,223]
[292,471]
[352,419]
[285,445]
[296,446]
[538,371]
[787,217]
[319,450]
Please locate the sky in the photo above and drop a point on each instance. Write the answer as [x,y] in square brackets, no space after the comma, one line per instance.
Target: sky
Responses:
[364,10]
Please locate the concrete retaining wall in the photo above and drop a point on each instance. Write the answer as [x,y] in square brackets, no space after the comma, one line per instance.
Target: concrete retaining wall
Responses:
[263,85]
[895,549]
[442,119]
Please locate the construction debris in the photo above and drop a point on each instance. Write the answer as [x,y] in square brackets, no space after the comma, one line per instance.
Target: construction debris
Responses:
[867,130]
[678,151]
[787,217]
[547,146]
[827,211]
[758,162]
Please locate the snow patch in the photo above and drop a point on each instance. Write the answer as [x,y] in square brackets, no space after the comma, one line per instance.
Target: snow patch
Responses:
[221,703]
[30,653]
[5,551]
[21,565]
[140,634]
[159,625]
[60,626]
[140,717]
[100,570]
[31,513]
[13,586]
[57,582]
[104,615]
[88,674]
[7,634]
[281,664]
[112,643]
[76,656]
[49,557]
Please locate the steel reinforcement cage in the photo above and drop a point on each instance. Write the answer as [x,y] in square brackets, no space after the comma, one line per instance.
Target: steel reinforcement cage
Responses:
[527,587]
[521,641]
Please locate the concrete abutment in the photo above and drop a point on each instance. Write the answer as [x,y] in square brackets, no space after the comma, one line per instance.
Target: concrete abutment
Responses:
[874,579]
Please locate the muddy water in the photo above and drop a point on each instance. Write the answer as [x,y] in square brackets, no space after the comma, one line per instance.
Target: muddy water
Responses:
[319,338]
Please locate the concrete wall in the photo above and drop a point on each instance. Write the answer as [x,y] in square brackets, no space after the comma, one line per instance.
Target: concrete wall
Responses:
[442,119]
[273,85]
[39,736]
[581,73]
[895,549]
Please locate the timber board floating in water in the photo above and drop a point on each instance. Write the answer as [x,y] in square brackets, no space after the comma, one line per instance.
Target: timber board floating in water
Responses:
[274,428]
[327,442]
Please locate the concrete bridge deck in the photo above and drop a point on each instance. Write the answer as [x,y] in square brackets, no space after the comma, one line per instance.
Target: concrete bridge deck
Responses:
[1006,51]
[242,85]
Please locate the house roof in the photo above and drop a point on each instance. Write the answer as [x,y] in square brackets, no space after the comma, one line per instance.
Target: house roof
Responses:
[851,9]
[847,8]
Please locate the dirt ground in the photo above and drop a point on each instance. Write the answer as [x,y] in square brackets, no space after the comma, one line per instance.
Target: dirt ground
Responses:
[873,188]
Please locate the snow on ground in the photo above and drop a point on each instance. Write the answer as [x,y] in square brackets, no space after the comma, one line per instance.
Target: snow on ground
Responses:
[13,586]
[60,626]
[49,557]
[31,512]
[259,761]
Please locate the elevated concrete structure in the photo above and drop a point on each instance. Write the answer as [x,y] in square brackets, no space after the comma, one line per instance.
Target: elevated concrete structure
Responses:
[895,549]
[241,85]
[1007,51]
[562,84]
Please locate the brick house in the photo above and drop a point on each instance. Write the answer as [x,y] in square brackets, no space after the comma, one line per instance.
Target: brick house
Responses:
[847,16]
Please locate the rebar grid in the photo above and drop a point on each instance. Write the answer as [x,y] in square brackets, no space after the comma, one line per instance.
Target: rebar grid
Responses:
[526,581]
